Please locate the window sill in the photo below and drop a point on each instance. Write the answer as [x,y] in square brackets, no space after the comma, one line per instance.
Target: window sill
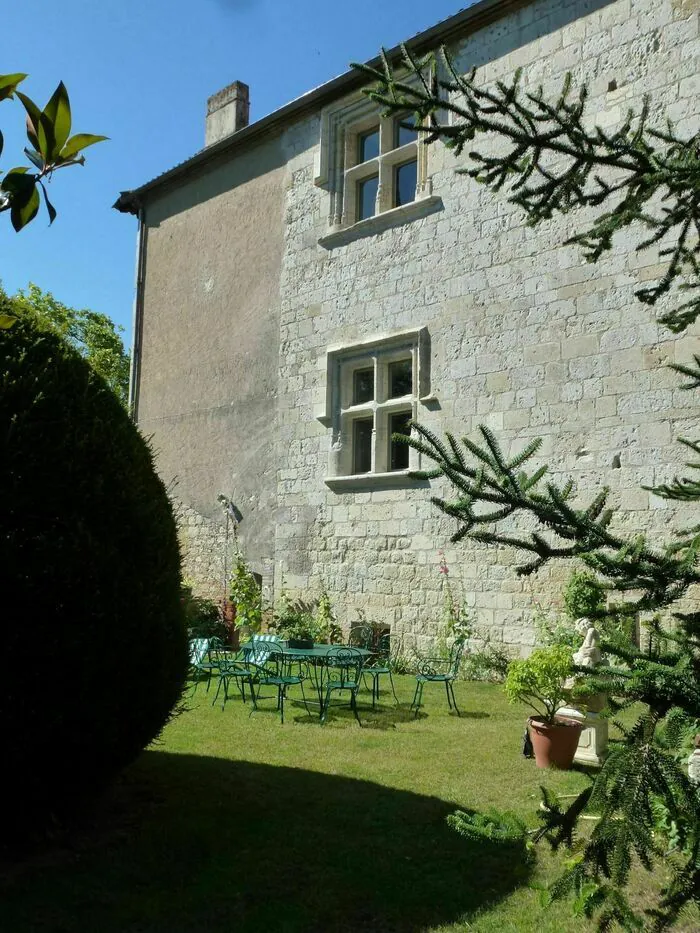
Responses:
[397,479]
[380,222]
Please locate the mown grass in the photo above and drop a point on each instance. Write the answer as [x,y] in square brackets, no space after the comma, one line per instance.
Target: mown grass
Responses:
[235,822]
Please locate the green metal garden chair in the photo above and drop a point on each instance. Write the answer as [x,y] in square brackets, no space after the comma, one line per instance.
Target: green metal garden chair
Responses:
[344,674]
[361,635]
[275,672]
[233,667]
[429,673]
[379,666]
[202,662]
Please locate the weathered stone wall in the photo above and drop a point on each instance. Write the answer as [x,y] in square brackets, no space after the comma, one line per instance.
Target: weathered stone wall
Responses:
[526,337]
[209,368]
[206,552]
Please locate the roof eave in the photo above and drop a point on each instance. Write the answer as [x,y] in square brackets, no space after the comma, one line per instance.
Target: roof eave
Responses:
[466,21]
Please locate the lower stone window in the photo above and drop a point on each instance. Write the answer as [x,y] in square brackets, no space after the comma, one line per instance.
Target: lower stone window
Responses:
[372,393]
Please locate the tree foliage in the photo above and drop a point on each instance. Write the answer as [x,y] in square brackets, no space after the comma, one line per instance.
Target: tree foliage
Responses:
[94,335]
[51,147]
[551,159]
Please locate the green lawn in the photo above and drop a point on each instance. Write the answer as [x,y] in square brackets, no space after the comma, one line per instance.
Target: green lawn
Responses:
[235,822]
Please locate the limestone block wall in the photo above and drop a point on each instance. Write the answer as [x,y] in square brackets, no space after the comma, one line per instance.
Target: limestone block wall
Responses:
[526,337]
[206,552]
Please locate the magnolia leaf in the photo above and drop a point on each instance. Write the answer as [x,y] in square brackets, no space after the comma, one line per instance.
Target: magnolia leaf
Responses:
[40,127]
[8,84]
[6,321]
[24,198]
[57,112]
[78,142]
[22,213]
[31,133]
[35,133]
[49,206]
[34,157]
[13,180]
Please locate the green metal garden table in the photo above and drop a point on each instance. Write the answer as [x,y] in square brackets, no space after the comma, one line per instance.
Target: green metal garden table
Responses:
[317,659]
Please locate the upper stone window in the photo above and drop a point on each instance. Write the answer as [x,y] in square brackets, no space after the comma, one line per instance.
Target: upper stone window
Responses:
[369,166]
[373,390]
[381,168]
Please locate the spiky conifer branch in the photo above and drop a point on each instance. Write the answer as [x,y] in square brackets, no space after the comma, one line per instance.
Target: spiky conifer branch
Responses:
[552,162]
[555,161]
[482,474]
[664,676]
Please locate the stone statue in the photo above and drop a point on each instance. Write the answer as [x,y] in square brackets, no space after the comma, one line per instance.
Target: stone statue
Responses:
[589,654]
[593,742]
[694,763]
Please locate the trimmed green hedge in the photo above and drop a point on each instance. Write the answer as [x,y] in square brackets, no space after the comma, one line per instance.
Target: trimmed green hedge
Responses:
[94,644]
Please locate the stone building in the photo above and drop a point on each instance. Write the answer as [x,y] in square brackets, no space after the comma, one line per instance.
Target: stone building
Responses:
[309,281]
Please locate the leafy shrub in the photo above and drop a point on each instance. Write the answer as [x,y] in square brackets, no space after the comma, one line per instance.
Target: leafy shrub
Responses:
[584,596]
[329,631]
[485,660]
[246,595]
[315,620]
[93,633]
[555,629]
[203,617]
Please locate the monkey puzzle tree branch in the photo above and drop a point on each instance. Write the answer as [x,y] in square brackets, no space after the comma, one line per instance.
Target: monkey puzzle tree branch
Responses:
[482,475]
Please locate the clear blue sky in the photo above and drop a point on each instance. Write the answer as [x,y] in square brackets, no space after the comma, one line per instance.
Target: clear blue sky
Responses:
[140,71]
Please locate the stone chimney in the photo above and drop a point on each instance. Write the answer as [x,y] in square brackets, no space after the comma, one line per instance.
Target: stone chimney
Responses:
[227,112]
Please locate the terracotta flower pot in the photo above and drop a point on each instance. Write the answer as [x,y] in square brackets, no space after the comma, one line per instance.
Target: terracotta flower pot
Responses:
[554,744]
[229,614]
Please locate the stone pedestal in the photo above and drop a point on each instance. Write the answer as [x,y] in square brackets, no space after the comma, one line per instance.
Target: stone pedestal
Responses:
[593,743]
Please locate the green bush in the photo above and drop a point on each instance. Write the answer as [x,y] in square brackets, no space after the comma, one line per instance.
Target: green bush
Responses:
[584,597]
[246,595]
[203,617]
[314,620]
[486,661]
[94,641]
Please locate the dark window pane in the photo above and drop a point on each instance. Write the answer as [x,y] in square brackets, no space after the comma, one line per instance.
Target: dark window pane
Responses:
[402,134]
[362,386]
[400,378]
[368,145]
[367,197]
[405,183]
[398,453]
[362,445]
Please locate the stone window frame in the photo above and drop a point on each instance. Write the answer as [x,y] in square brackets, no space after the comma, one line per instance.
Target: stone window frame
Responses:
[339,413]
[337,171]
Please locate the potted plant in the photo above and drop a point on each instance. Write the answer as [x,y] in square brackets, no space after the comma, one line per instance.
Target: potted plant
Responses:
[539,681]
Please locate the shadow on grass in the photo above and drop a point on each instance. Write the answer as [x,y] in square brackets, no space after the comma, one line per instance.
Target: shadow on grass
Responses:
[197,843]
[381,717]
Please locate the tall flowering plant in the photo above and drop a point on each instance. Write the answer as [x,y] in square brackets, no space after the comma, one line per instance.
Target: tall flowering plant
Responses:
[456,619]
